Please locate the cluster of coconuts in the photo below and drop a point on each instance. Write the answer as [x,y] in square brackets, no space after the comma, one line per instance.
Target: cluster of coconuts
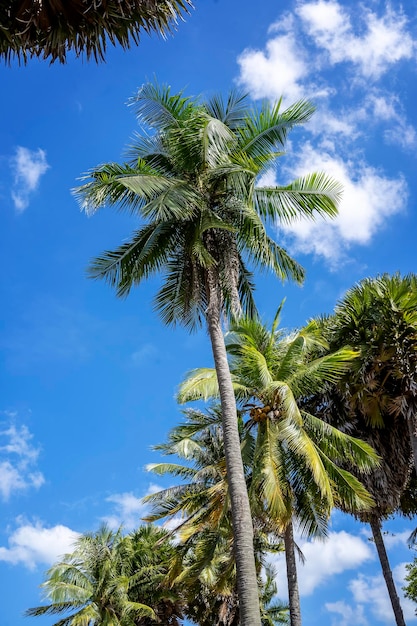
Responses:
[260,413]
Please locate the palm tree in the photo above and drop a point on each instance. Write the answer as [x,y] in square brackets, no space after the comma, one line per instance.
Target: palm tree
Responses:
[147,556]
[204,565]
[92,584]
[377,400]
[193,183]
[50,28]
[296,468]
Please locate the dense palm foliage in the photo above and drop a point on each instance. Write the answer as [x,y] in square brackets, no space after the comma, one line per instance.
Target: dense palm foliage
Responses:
[296,465]
[112,579]
[204,564]
[51,28]
[377,401]
[272,373]
[193,182]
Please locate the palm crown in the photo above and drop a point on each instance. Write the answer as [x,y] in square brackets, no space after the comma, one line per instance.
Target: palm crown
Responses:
[193,181]
[296,466]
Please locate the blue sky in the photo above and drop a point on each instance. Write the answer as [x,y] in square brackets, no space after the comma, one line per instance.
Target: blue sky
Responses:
[88,381]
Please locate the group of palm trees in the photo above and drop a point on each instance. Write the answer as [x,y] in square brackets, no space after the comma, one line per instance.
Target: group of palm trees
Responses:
[305,421]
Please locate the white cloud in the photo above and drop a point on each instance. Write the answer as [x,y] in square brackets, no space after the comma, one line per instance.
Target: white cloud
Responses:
[393,540]
[387,108]
[346,614]
[128,511]
[28,168]
[383,41]
[277,71]
[340,552]
[371,591]
[32,544]
[369,200]
[295,66]
[18,457]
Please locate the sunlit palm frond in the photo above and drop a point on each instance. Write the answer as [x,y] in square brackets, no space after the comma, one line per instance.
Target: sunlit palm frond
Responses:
[104,187]
[340,446]
[199,384]
[310,377]
[266,129]
[155,106]
[268,481]
[307,197]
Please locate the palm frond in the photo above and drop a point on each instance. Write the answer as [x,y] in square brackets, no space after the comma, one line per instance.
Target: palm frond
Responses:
[232,112]
[104,187]
[199,384]
[315,195]
[164,198]
[134,261]
[155,106]
[265,130]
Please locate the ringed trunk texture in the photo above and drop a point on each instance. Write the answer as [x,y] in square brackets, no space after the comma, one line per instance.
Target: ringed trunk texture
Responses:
[247,582]
[293,594]
[386,570]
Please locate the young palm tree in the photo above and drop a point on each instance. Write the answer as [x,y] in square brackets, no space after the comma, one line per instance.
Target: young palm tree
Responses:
[51,28]
[92,584]
[296,468]
[193,183]
[377,400]
[148,553]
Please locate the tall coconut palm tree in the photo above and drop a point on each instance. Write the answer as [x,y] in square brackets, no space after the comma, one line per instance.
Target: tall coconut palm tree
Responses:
[377,400]
[296,469]
[51,28]
[92,584]
[193,183]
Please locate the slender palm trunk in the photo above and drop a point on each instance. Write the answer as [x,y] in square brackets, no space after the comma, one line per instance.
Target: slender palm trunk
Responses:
[241,515]
[386,570]
[293,594]
[411,421]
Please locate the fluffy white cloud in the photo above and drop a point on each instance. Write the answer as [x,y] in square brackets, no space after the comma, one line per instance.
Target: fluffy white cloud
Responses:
[18,457]
[32,544]
[28,167]
[382,107]
[346,615]
[369,199]
[340,552]
[277,71]
[304,46]
[382,42]
[371,591]
[128,511]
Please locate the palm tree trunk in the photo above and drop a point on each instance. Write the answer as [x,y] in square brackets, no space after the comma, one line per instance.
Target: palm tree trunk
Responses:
[375,524]
[411,421]
[241,515]
[293,594]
